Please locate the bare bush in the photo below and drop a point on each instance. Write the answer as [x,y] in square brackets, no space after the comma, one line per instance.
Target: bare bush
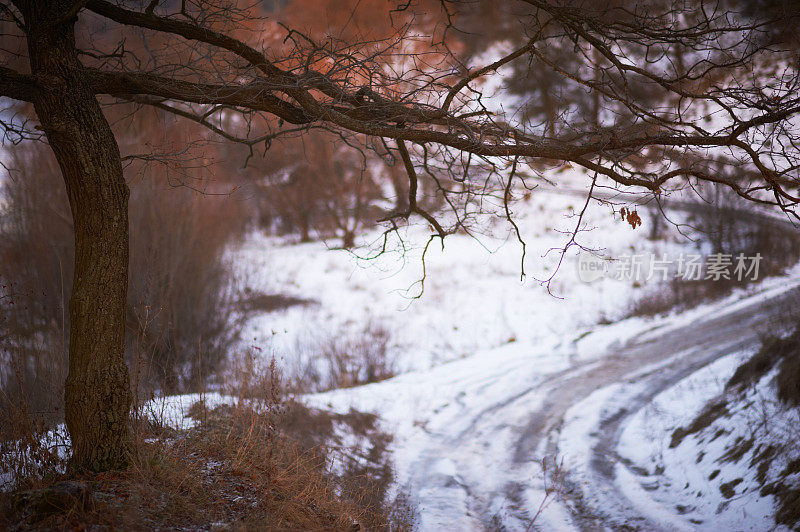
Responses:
[343,360]
[35,271]
[316,184]
[181,298]
[726,228]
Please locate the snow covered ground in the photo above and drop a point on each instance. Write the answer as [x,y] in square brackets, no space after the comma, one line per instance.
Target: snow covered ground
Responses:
[473,298]
[621,437]
[711,476]
[500,381]
[684,484]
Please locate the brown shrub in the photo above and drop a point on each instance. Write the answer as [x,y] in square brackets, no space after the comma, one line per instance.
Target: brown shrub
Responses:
[263,462]
[180,294]
[343,360]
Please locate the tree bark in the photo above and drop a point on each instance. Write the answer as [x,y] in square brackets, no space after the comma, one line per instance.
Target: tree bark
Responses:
[400,185]
[97,392]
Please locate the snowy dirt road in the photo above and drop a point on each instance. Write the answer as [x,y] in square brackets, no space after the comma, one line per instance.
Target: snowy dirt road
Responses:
[628,378]
[477,439]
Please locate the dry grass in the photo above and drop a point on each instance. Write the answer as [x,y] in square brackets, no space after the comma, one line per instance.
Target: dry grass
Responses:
[710,413]
[773,350]
[679,294]
[263,462]
[343,360]
[788,379]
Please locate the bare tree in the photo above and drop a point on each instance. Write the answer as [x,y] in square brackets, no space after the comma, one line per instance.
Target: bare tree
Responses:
[214,63]
[314,182]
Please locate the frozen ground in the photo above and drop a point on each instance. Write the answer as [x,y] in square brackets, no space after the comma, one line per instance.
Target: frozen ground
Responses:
[504,388]
[473,297]
[713,476]
[472,435]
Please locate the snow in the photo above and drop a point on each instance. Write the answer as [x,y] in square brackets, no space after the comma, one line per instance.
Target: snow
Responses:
[172,411]
[477,345]
[678,488]
[475,351]
[685,480]
[472,300]
[425,412]
[580,424]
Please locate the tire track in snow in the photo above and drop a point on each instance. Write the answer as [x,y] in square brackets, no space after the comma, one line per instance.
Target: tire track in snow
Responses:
[682,352]
[652,361]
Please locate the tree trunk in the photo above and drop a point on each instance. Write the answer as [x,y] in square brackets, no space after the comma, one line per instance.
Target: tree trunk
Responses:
[348,239]
[305,227]
[97,392]
[400,185]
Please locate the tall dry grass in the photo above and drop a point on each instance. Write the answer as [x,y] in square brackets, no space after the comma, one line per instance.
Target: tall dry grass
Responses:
[258,460]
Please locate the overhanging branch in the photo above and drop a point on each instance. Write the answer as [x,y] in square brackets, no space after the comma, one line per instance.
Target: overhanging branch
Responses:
[17,86]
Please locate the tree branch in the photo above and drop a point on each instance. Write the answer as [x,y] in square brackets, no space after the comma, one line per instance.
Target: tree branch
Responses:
[256,96]
[17,86]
